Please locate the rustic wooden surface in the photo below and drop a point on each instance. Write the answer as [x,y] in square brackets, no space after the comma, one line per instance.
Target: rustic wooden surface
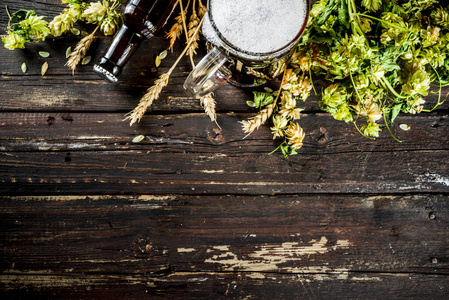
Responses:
[199,212]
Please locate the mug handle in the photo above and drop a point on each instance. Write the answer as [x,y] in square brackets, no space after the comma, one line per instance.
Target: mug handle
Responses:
[208,74]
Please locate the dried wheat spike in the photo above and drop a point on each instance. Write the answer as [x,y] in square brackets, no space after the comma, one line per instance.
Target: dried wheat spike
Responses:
[258,74]
[152,94]
[191,35]
[208,103]
[202,9]
[254,123]
[175,31]
[80,50]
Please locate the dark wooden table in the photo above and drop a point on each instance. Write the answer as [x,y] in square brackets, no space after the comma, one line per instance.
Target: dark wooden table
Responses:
[195,211]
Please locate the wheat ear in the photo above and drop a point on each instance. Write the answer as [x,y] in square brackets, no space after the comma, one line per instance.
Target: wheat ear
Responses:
[154,91]
[80,50]
[192,33]
[258,74]
[202,9]
[208,103]
[177,28]
[152,94]
[249,126]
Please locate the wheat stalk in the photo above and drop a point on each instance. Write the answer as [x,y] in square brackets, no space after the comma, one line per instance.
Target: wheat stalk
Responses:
[258,74]
[154,91]
[202,9]
[192,33]
[152,94]
[249,126]
[175,31]
[177,28]
[208,103]
[80,50]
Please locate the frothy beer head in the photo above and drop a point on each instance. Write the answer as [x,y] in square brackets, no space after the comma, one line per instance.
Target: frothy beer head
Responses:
[258,26]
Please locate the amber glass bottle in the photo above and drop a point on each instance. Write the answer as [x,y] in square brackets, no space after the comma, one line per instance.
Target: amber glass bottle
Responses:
[142,19]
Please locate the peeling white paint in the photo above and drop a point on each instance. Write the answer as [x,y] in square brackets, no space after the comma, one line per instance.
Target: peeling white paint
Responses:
[366,279]
[218,248]
[256,275]
[320,273]
[212,171]
[269,257]
[186,250]
[149,198]
[433,178]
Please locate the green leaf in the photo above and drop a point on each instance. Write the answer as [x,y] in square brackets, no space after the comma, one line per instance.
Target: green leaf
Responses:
[395,112]
[86,60]
[262,99]
[163,54]
[75,31]
[68,52]
[138,139]
[21,15]
[44,68]
[251,103]
[343,15]
[44,53]
[157,61]
[404,127]
[287,150]
[326,12]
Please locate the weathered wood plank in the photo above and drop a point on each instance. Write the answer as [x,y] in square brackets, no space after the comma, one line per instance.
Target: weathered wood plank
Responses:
[221,172]
[224,285]
[63,156]
[86,91]
[172,244]
[54,131]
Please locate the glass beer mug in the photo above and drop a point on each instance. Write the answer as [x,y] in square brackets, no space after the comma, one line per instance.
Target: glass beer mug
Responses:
[252,40]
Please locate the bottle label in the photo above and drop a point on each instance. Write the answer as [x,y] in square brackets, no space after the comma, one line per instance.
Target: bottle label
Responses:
[149,30]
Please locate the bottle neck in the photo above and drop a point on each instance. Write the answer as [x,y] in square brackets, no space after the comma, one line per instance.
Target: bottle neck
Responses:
[142,20]
[125,43]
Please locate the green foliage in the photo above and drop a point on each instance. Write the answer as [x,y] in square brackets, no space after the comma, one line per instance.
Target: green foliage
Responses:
[261,99]
[377,57]
[25,27]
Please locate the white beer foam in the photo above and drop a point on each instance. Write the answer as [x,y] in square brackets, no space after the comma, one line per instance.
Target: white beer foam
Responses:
[259,26]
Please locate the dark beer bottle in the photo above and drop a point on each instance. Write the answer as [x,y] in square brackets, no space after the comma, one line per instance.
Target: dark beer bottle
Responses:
[142,19]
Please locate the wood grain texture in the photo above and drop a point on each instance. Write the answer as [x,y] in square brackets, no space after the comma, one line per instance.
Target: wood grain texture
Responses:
[85,91]
[197,211]
[96,155]
[190,246]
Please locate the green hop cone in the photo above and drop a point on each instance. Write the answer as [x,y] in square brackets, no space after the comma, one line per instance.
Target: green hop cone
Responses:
[95,12]
[36,27]
[441,17]
[13,41]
